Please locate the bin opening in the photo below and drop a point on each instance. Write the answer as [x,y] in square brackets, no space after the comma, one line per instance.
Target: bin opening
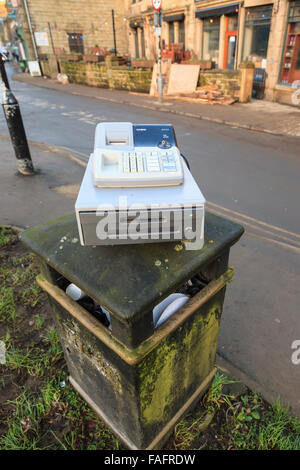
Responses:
[161,312]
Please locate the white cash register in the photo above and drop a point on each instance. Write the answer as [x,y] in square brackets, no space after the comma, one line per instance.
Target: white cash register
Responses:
[137,188]
[136,155]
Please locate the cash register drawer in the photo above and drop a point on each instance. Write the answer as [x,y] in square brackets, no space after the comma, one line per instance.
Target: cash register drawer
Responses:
[135,226]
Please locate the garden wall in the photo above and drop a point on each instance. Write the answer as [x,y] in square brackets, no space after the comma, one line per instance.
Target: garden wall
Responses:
[102,75]
[229,81]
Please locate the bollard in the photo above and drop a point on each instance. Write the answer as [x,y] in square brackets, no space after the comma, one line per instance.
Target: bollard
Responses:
[15,125]
[139,379]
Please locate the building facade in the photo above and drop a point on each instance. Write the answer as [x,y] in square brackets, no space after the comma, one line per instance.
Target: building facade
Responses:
[265,32]
[223,33]
[74,26]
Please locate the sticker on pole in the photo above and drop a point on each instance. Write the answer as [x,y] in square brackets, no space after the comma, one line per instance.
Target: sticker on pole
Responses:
[156,4]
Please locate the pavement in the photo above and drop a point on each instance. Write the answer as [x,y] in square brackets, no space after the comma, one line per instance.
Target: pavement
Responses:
[258,115]
[51,192]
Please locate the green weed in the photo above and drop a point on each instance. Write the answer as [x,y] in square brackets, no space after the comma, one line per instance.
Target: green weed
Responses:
[215,396]
[8,310]
[7,236]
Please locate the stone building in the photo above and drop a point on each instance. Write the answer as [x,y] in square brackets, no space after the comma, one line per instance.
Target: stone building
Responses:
[266,32]
[75,26]
[220,33]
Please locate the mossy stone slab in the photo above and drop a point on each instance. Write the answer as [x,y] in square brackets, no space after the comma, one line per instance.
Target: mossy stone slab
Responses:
[127,279]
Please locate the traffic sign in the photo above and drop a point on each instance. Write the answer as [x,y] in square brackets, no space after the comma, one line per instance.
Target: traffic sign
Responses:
[156,4]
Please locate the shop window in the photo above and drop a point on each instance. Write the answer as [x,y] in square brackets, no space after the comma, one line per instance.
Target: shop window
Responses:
[232,24]
[211,38]
[181,35]
[143,43]
[136,44]
[256,34]
[76,43]
[171,33]
[290,68]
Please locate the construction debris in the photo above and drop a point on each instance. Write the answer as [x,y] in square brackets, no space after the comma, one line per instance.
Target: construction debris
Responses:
[210,94]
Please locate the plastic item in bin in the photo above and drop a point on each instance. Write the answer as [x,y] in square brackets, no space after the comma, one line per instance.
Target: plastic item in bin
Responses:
[103,315]
[86,302]
[167,307]
[75,292]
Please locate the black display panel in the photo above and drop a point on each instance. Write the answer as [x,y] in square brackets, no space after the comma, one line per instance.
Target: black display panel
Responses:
[151,135]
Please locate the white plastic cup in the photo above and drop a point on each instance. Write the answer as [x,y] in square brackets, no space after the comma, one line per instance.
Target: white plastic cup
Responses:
[75,292]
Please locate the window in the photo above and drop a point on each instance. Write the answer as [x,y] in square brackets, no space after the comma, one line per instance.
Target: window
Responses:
[136,44]
[290,68]
[256,34]
[232,24]
[76,42]
[142,45]
[211,37]
[171,33]
[181,36]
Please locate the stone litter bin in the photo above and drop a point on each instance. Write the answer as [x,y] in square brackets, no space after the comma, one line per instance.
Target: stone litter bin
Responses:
[139,379]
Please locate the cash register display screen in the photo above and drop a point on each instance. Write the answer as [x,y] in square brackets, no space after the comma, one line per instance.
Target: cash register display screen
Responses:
[152,135]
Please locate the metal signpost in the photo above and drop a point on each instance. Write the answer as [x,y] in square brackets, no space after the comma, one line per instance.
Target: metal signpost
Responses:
[157,31]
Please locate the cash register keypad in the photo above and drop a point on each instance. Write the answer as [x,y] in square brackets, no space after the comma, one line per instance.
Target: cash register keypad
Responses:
[138,162]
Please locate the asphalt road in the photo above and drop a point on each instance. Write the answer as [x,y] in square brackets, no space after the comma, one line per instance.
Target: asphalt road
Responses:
[248,176]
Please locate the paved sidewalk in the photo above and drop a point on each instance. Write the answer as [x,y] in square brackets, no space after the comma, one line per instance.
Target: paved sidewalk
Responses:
[260,116]
[31,200]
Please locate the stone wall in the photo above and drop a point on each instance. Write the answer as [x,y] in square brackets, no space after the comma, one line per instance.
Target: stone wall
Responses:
[100,75]
[229,81]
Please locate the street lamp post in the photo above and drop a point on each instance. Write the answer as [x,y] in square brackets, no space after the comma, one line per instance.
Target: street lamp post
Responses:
[157,31]
[15,125]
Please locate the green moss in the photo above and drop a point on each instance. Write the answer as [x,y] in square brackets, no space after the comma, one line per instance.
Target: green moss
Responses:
[180,363]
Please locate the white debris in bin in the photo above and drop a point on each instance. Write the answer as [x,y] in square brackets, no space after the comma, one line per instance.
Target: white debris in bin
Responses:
[168,307]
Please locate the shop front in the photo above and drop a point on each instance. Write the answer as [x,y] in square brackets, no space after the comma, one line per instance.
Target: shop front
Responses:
[290,64]
[219,34]
[231,32]
[137,32]
[256,35]
[176,27]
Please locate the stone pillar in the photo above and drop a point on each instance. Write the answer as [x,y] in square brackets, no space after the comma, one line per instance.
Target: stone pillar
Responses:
[189,29]
[198,37]
[176,32]
[131,34]
[246,82]
[275,47]
[149,43]
[241,29]
[222,42]
[139,41]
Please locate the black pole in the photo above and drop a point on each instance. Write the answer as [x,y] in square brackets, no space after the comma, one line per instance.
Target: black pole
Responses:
[3,72]
[52,43]
[15,125]
[114,30]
